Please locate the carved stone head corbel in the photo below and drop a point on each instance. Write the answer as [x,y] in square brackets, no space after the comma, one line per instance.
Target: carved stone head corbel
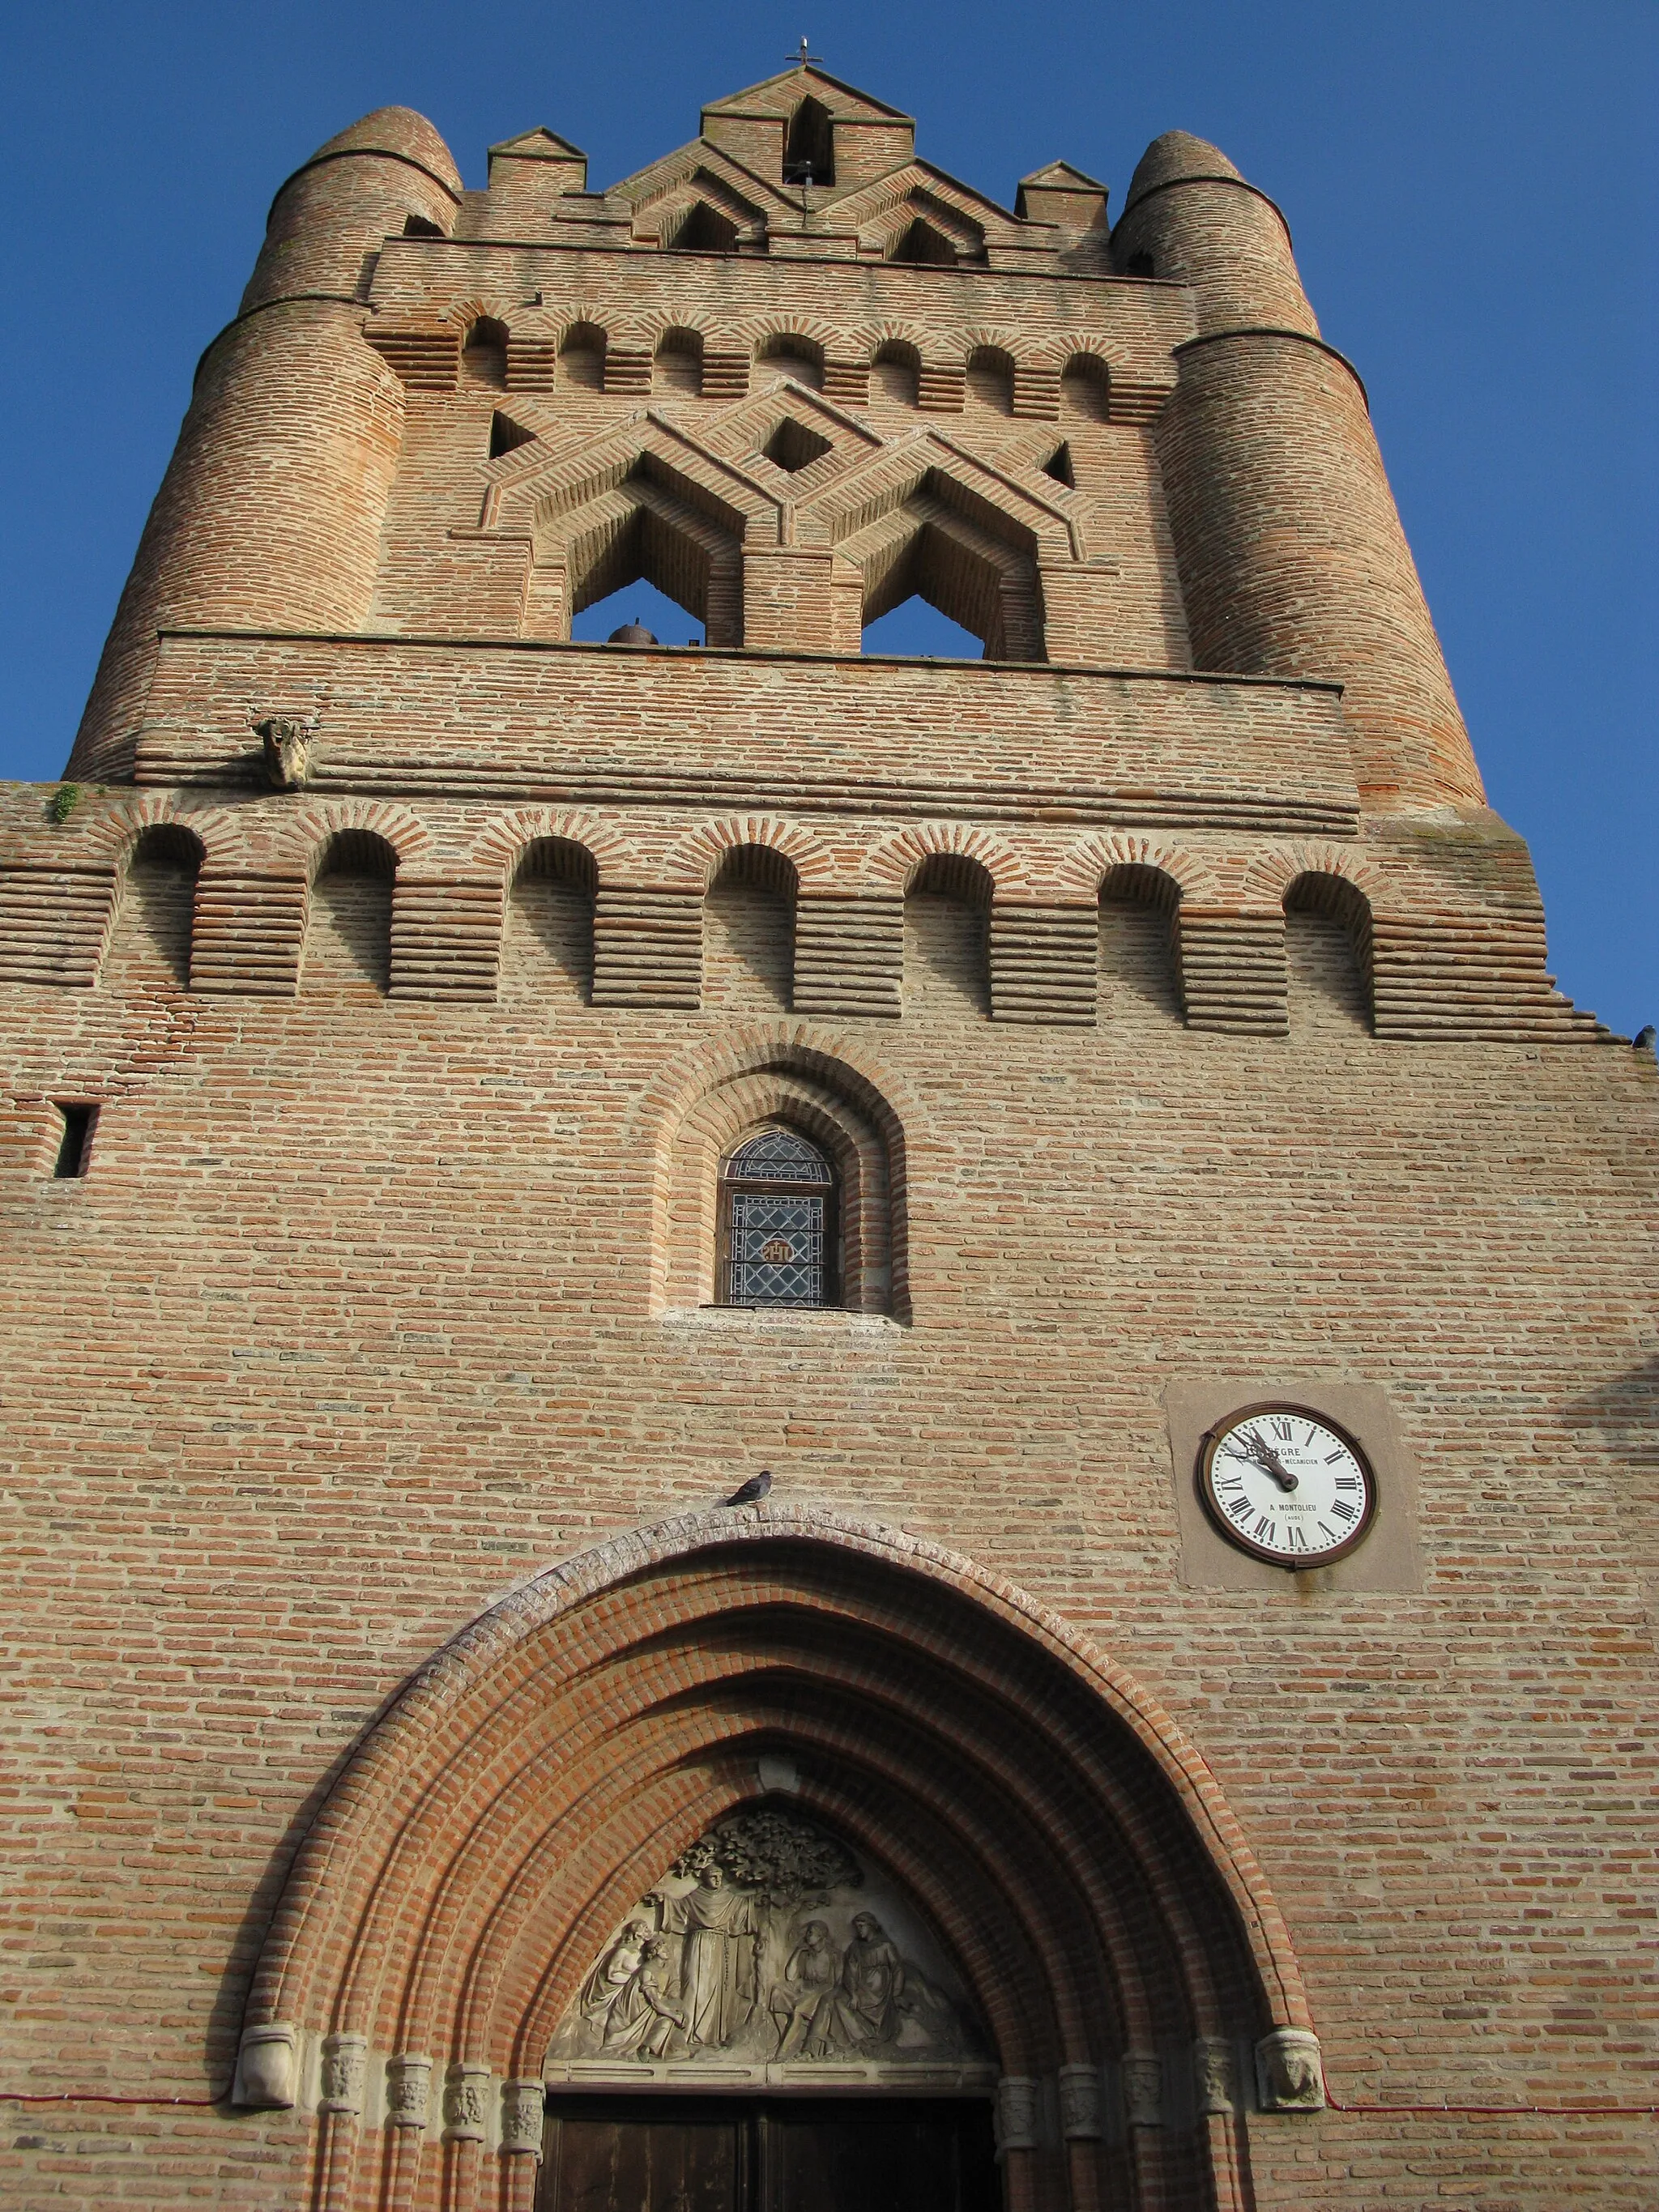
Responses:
[288,749]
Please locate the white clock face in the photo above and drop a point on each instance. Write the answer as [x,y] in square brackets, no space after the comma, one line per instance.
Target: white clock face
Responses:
[1285,1485]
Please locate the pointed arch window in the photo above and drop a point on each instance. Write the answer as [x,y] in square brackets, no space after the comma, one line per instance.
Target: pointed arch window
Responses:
[777,1215]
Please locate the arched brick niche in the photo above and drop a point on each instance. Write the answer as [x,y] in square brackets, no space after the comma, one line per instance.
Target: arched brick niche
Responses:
[841,1112]
[542,1774]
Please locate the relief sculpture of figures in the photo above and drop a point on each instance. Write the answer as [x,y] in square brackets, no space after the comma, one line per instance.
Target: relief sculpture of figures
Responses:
[717,1926]
[761,1948]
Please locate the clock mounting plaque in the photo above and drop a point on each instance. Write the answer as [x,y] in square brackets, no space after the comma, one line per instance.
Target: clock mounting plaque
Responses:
[1287,1485]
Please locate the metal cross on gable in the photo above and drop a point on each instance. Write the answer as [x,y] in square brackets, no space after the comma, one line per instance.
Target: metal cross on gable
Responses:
[803,59]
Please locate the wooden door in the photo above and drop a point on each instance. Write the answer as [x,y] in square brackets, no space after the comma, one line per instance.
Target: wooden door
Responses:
[798,2155]
[639,2155]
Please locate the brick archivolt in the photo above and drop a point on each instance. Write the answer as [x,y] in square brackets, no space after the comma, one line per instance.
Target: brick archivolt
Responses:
[311,832]
[896,861]
[696,857]
[539,1775]
[1084,871]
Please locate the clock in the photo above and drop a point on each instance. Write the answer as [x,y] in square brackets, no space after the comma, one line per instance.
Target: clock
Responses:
[1286,1485]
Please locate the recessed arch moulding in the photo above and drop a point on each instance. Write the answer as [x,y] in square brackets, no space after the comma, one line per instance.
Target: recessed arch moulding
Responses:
[792,1078]
[1055,1858]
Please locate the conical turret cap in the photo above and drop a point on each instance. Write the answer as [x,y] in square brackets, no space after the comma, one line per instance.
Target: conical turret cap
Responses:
[1177,153]
[400,132]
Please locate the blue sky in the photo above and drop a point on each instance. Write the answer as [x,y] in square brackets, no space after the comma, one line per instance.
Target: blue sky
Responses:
[1471,185]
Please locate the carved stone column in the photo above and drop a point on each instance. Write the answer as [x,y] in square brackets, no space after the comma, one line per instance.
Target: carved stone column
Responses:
[1079,2103]
[345,2065]
[1017,2112]
[1143,2089]
[524,2117]
[408,2092]
[466,2103]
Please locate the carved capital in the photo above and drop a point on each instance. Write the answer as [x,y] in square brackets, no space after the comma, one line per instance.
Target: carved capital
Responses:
[1290,2076]
[1143,2089]
[1215,2077]
[523,2113]
[1017,2112]
[288,749]
[345,2063]
[267,2069]
[466,2103]
[408,2091]
[1080,2102]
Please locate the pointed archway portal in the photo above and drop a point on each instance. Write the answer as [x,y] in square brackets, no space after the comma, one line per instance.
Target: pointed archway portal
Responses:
[767,1806]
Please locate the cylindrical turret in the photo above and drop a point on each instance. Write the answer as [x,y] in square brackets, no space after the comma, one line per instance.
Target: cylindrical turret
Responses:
[1292,556]
[271,511]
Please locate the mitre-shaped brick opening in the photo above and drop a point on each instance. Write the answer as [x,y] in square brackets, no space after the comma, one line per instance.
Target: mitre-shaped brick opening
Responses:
[1059,465]
[506,436]
[792,445]
[926,548]
[924,245]
[704,229]
[809,153]
[639,531]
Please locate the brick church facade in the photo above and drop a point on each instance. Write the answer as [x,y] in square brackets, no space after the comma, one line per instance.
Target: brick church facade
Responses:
[476,1099]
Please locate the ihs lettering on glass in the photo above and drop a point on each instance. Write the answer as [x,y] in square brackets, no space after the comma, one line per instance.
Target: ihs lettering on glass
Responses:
[1287,1485]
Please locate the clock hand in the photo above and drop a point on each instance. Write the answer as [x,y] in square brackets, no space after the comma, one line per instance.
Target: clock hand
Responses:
[1266,1458]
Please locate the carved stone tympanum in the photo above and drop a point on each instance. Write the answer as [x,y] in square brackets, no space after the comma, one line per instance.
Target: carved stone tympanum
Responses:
[769,1946]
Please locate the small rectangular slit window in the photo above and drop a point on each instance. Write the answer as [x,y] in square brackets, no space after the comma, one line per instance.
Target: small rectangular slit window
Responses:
[78,1119]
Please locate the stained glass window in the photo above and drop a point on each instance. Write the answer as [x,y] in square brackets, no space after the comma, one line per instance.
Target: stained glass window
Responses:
[777,1194]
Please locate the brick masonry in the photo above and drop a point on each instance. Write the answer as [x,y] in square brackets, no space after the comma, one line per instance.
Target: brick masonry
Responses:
[1173,1012]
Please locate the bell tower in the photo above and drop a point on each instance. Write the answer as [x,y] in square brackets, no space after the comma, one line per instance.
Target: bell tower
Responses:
[788,1421]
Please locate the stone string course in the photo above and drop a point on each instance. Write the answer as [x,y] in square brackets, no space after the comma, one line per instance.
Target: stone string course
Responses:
[1173,1011]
